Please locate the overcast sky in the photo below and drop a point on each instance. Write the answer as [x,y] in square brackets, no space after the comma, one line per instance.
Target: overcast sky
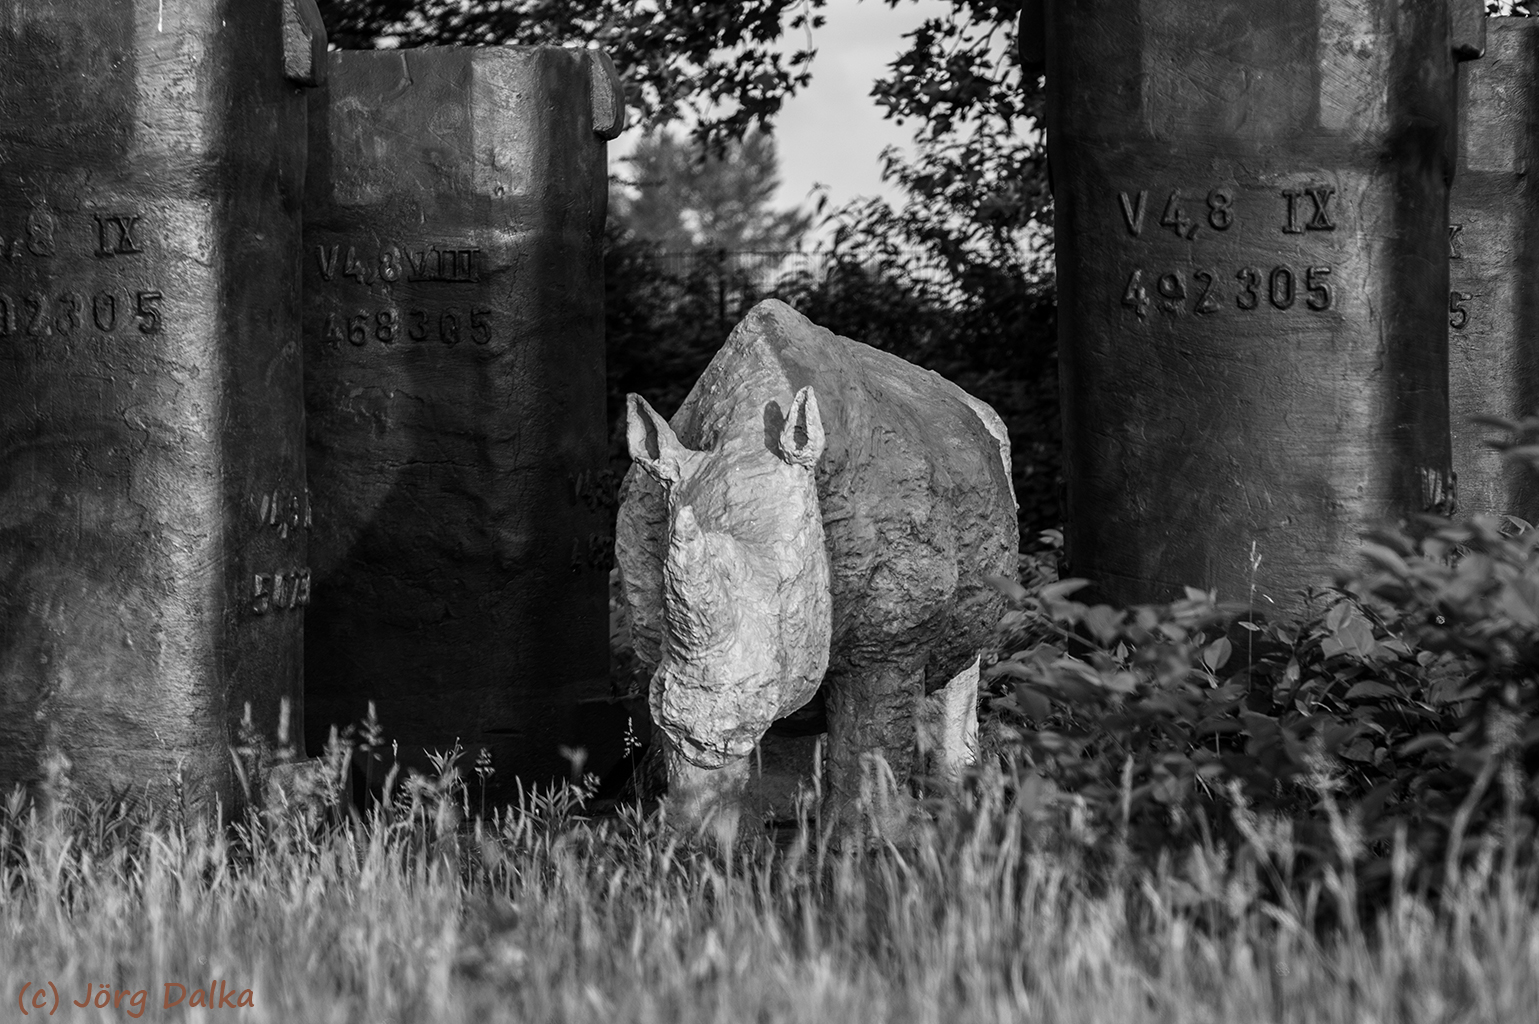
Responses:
[833,131]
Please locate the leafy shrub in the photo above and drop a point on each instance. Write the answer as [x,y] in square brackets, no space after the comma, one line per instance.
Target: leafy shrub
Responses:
[1394,730]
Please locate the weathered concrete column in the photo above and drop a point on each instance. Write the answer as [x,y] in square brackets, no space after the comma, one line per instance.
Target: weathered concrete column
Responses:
[455,389]
[152,542]
[1252,271]
[1493,240]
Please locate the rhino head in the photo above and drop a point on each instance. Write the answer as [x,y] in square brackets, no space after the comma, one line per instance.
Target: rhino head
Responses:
[745,578]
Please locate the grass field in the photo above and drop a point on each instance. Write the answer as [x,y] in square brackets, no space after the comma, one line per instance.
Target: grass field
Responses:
[417,913]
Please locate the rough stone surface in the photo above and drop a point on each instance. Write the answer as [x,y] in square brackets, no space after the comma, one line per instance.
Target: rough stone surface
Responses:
[1493,226]
[817,513]
[1252,258]
[152,473]
[454,387]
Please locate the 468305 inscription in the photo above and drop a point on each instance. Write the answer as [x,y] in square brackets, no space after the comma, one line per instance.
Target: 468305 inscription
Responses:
[387,326]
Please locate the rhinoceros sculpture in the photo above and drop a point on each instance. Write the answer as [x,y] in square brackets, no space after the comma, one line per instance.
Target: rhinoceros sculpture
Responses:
[817,513]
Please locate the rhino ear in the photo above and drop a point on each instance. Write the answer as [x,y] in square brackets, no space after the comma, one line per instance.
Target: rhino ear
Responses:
[653,444]
[802,439]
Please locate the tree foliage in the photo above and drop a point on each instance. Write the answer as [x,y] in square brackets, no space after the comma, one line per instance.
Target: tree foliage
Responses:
[682,197]
[977,183]
[720,63]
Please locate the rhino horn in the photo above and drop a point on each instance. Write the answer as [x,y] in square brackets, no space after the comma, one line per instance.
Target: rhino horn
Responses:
[697,587]
[802,439]
[652,443]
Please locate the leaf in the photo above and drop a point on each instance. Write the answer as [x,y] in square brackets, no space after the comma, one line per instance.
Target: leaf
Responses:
[1074,681]
[1350,633]
[1228,694]
[1036,706]
[1060,590]
[1429,741]
[1372,804]
[1036,794]
[1337,735]
[1006,586]
[1495,422]
[1120,682]
[1011,668]
[1369,688]
[1259,726]
[1104,621]
[1522,451]
[1518,601]
[1216,654]
[1386,558]
[1360,749]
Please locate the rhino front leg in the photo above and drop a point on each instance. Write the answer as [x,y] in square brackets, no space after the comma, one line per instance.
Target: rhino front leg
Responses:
[705,802]
[872,753]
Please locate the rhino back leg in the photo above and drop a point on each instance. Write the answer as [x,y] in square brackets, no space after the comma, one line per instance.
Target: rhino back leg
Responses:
[872,751]
[947,727]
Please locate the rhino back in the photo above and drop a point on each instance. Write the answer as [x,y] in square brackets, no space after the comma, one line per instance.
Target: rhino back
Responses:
[913,487]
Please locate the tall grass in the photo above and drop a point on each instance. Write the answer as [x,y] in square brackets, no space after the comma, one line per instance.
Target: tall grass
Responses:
[545,912]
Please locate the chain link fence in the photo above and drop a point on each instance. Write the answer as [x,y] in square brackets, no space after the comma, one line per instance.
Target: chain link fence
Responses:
[737,279]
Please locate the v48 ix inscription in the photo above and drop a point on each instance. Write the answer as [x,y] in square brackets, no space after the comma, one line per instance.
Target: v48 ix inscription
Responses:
[1281,286]
[41,309]
[1220,212]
